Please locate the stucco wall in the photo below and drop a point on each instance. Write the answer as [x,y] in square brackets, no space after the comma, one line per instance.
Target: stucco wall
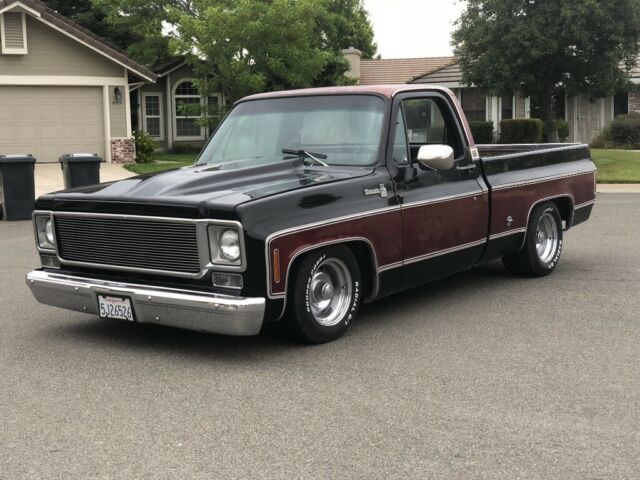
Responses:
[117,114]
[634,102]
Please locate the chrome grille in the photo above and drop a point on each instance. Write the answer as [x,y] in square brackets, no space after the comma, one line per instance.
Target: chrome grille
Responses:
[129,243]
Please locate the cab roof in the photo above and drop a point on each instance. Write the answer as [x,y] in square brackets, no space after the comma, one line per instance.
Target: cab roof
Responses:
[388,91]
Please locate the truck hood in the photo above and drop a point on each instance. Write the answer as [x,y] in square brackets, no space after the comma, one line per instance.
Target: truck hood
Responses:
[206,188]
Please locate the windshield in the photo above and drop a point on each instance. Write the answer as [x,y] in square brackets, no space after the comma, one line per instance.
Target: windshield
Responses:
[340,130]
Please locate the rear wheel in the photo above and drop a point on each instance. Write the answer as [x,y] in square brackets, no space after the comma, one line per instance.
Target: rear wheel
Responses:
[325,295]
[543,244]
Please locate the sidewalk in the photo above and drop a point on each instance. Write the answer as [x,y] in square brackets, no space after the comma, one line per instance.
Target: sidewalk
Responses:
[48,176]
[618,188]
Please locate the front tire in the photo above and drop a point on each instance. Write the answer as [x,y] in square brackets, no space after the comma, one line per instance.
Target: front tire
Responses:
[543,244]
[325,294]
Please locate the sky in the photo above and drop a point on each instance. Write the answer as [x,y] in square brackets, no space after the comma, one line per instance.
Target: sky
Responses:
[413,28]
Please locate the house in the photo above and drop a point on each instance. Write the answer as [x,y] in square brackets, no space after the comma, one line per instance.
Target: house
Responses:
[62,89]
[159,107]
[586,117]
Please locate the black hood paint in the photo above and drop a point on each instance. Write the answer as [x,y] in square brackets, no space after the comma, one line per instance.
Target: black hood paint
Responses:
[205,188]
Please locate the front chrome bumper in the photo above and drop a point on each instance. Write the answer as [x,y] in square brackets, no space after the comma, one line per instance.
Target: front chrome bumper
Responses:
[200,311]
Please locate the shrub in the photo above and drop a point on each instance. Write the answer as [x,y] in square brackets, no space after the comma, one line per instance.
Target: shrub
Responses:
[482,132]
[562,127]
[625,131]
[603,140]
[549,130]
[145,146]
[521,131]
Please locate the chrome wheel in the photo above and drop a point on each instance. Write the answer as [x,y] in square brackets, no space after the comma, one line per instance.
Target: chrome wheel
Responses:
[330,292]
[546,238]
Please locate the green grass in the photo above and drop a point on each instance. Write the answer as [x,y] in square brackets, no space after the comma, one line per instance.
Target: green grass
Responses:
[614,166]
[617,166]
[163,161]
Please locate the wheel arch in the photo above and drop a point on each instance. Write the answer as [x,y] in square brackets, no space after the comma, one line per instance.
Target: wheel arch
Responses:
[565,207]
[563,202]
[362,249]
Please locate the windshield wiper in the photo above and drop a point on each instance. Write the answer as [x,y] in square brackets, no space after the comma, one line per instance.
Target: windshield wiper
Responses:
[310,155]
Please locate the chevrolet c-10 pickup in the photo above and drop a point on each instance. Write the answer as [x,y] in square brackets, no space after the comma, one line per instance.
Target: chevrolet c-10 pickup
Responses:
[303,205]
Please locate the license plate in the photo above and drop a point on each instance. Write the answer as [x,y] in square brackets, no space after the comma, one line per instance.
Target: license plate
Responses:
[117,308]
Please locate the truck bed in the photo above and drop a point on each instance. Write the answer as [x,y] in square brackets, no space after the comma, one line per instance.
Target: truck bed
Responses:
[521,176]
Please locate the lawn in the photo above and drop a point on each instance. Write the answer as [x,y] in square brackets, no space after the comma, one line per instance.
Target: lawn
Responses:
[163,161]
[614,166]
[617,166]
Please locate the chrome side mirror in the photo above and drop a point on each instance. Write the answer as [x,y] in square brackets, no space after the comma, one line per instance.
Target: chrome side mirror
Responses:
[436,157]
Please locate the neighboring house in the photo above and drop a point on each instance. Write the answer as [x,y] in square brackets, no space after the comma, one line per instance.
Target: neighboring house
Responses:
[62,89]
[586,117]
[158,107]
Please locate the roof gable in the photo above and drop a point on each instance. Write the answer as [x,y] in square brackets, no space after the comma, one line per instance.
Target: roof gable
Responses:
[53,19]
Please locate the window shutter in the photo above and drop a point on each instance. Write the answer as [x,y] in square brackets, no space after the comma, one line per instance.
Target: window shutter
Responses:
[13,33]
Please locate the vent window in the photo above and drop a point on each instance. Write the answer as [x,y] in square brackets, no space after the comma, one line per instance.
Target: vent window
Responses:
[13,33]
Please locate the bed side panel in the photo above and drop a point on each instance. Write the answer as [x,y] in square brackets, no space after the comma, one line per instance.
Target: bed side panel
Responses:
[519,182]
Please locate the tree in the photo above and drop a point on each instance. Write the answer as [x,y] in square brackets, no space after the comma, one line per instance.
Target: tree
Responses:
[94,19]
[247,46]
[536,46]
[145,20]
[344,24]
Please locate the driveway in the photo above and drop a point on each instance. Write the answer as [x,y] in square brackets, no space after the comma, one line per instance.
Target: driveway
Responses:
[48,176]
[480,376]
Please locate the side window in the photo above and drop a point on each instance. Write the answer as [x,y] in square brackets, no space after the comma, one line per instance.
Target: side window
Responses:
[400,150]
[429,123]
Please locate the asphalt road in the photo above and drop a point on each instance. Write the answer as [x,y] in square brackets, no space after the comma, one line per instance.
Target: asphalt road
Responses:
[479,376]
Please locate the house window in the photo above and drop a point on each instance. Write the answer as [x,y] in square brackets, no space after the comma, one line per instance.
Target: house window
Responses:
[621,104]
[188,110]
[507,108]
[213,110]
[474,104]
[13,33]
[152,115]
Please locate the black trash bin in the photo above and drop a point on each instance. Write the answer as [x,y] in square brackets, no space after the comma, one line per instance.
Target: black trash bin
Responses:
[80,169]
[17,186]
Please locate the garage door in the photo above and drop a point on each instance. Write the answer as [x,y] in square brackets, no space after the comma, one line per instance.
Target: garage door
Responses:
[50,121]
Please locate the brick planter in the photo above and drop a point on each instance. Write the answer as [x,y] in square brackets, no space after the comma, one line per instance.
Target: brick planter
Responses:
[123,150]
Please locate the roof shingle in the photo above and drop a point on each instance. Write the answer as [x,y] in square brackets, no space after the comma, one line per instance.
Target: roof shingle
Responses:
[399,70]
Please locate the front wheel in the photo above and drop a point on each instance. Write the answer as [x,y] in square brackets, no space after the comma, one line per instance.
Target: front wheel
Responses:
[325,294]
[543,244]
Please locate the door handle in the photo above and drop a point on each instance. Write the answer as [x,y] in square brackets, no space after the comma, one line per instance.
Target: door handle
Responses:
[466,168]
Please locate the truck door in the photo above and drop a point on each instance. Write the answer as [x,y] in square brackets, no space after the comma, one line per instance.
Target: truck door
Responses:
[445,214]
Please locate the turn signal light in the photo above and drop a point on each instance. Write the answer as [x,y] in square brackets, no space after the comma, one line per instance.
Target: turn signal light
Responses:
[276,265]
[227,280]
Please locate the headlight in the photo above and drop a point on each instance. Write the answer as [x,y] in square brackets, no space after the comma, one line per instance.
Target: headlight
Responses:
[230,245]
[48,232]
[225,244]
[44,232]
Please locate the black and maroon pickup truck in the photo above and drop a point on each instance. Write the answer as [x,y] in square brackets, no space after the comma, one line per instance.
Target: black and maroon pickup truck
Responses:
[303,205]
